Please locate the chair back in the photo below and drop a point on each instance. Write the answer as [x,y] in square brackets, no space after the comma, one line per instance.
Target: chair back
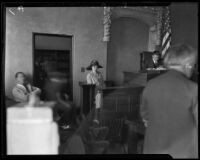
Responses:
[115,122]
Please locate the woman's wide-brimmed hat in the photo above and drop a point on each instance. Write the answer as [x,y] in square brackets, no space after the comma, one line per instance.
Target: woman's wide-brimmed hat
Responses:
[94,63]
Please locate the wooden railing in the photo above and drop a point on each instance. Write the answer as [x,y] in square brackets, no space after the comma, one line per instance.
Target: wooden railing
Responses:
[123,99]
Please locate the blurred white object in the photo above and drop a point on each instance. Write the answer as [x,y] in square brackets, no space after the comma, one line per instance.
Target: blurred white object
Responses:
[31,130]
[157,69]
[20,8]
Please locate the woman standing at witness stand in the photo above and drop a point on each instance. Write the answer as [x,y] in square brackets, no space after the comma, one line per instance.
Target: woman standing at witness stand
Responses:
[95,77]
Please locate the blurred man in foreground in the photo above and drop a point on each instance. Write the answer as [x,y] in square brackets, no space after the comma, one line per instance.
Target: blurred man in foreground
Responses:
[169,107]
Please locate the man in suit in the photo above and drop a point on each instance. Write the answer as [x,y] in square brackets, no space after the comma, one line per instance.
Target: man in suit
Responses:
[155,62]
[23,88]
[169,107]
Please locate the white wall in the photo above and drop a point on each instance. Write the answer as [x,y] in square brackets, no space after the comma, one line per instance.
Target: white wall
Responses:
[83,23]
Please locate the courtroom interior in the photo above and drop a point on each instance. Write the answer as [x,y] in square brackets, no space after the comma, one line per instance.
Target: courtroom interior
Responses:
[85,70]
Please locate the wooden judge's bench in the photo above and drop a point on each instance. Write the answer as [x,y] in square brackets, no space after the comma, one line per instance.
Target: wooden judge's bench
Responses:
[125,98]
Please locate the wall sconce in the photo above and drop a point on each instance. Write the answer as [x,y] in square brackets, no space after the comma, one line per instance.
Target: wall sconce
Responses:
[19,9]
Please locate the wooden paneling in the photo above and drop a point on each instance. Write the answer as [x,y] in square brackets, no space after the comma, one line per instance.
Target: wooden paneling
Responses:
[87,93]
[123,99]
[123,118]
[131,78]
[140,78]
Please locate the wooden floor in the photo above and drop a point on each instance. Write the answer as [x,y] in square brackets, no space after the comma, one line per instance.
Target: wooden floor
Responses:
[116,149]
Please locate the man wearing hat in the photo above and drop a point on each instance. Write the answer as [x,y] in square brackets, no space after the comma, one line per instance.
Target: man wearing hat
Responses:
[95,77]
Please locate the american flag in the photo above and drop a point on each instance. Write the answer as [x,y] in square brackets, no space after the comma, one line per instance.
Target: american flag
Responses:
[166,31]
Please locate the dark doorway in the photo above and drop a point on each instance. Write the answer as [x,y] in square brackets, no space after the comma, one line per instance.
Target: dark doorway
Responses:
[52,53]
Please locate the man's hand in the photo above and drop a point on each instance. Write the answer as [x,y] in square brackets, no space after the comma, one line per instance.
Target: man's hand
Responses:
[65,103]
[29,87]
[34,99]
[145,122]
[37,91]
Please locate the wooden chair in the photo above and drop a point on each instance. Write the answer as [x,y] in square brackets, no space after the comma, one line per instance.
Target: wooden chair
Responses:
[115,122]
[93,137]
[135,136]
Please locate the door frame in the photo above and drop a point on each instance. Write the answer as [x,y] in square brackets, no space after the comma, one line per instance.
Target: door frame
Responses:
[34,34]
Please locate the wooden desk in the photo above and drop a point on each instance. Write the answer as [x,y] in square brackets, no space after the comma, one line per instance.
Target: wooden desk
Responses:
[153,73]
[87,93]
[141,77]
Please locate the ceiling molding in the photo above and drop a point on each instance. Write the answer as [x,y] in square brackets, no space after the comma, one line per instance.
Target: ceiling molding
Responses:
[148,16]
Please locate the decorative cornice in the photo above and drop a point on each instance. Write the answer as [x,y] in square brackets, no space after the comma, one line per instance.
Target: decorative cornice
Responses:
[150,15]
[148,10]
[107,23]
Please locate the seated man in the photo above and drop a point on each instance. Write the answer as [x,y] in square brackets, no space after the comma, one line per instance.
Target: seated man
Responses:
[23,88]
[155,62]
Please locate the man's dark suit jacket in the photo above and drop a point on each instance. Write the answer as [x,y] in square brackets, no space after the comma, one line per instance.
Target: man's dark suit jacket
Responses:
[151,64]
[170,105]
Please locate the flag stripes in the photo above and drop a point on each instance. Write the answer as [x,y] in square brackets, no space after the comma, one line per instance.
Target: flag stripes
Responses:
[166,43]
[166,31]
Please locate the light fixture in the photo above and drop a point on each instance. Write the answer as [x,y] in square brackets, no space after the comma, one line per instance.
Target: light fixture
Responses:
[13,10]
[20,8]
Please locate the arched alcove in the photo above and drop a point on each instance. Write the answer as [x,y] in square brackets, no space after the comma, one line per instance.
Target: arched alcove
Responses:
[129,37]
[132,31]
[145,15]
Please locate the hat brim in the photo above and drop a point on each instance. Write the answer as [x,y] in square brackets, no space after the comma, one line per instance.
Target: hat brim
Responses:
[90,67]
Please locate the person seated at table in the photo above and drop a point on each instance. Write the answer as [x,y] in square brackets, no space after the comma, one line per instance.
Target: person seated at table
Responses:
[95,77]
[23,89]
[155,62]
